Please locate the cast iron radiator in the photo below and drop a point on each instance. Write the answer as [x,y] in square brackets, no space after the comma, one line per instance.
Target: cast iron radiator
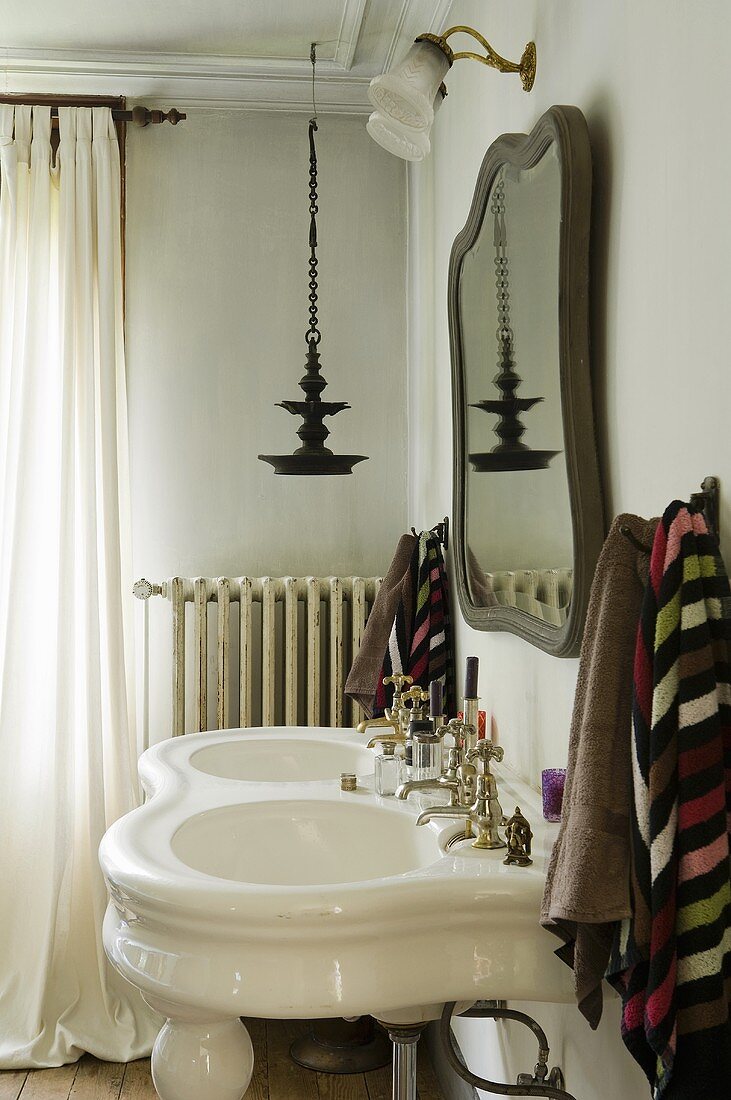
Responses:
[293,640]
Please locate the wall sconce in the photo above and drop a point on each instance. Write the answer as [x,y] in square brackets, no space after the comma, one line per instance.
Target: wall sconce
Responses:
[407,98]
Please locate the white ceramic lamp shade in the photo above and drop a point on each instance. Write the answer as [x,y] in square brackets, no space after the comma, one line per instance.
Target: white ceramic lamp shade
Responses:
[402,141]
[407,93]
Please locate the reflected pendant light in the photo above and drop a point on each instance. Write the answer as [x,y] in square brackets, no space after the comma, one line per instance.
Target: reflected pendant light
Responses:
[510,453]
[313,457]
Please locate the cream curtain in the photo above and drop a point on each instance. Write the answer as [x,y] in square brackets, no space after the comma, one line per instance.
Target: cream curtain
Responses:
[66,724]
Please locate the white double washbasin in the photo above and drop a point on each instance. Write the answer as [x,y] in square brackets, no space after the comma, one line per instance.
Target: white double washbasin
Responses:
[250,884]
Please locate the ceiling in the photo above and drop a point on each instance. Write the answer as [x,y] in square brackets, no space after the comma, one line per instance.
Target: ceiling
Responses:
[215,53]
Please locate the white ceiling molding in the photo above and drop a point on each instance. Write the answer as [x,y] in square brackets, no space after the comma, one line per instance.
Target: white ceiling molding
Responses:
[187,79]
[371,35]
[350,28]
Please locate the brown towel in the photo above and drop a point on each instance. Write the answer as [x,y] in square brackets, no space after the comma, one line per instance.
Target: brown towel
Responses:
[588,881]
[363,677]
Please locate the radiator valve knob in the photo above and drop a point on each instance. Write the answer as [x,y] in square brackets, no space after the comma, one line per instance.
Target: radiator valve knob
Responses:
[142,589]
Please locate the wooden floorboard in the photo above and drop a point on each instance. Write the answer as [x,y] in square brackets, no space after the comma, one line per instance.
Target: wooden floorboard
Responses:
[97,1080]
[276,1076]
[344,1086]
[427,1083]
[137,1084]
[378,1083]
[287,1080]
[50,1084]
[259,1087]
[11,1082]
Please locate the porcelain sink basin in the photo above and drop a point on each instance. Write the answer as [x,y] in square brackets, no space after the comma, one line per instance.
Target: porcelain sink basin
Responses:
[295,759]
[234,896]
[309,901]
[309,842]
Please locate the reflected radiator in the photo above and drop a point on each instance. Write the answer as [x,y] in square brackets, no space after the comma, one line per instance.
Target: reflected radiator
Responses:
[543,593]
[273,648]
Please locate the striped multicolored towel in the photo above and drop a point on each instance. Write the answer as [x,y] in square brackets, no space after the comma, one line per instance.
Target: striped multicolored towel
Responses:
[420,643]
[671,961]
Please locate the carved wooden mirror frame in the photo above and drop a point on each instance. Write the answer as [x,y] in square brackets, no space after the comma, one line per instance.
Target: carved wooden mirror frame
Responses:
[566,128]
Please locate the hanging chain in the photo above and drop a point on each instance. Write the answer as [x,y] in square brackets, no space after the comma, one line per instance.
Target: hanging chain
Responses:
[500,240]
[313,333]
[313,61]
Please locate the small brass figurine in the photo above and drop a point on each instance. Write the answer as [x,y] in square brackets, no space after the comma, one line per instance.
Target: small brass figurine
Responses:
[518,835]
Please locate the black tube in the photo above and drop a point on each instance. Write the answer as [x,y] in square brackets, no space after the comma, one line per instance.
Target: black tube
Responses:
[499,1013]
[470,679]
[498,1087]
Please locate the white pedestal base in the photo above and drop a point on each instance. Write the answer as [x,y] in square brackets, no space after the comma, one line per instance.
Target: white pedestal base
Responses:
[199,1061]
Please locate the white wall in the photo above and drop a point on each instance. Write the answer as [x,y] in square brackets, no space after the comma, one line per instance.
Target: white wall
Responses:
[645,76]
[217,273]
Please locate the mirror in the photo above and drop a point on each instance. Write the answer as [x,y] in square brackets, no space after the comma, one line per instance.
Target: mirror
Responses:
[528,517]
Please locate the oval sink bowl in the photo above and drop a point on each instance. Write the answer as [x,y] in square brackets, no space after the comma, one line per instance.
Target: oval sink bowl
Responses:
[303,843]
[297,900]
[275,760]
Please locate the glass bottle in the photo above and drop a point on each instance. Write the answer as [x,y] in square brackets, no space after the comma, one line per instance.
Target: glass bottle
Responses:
[426,750]
[388,769]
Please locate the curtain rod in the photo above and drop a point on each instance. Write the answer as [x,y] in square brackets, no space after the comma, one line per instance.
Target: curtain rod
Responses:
[143,116]
[140,116]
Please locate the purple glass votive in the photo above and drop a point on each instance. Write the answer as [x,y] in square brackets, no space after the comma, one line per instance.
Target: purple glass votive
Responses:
[552,784]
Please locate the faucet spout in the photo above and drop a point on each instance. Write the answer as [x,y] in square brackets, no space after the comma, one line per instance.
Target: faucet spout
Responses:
[404,790]
[442,811]
[484,814]
[380,723]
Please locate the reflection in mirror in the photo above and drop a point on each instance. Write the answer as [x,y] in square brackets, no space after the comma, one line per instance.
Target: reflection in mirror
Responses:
[526,456]
[521,484]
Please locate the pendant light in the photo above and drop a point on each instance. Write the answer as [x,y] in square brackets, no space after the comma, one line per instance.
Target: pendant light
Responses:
[313,457]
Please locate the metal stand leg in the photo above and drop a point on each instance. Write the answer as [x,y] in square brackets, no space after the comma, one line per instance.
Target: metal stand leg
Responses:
[342,1046]
[404,1041]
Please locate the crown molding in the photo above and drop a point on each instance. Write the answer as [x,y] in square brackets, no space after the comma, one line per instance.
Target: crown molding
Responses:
[187,79]
[410,23]
[352,24]
[226,81]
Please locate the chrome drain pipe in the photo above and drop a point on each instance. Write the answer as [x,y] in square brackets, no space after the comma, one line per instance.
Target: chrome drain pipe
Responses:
[404,1041]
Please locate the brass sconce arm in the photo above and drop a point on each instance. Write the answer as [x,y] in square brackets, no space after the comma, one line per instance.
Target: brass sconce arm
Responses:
[526,67]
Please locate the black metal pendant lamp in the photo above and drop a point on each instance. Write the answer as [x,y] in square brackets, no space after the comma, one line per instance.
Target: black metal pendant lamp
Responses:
[313,457]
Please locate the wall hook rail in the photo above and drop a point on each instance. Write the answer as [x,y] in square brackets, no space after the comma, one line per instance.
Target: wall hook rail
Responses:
[441,530]
[706,500]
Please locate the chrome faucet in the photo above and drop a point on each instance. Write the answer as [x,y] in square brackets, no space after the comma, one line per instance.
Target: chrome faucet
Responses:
[485,814]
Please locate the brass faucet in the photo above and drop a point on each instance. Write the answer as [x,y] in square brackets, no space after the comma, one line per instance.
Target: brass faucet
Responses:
[459,780]
[396,716]
[460,731]
[395,738]
[485,814]
[485,750]
[441,784]
[418,698]
[390,719]
[399,714]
